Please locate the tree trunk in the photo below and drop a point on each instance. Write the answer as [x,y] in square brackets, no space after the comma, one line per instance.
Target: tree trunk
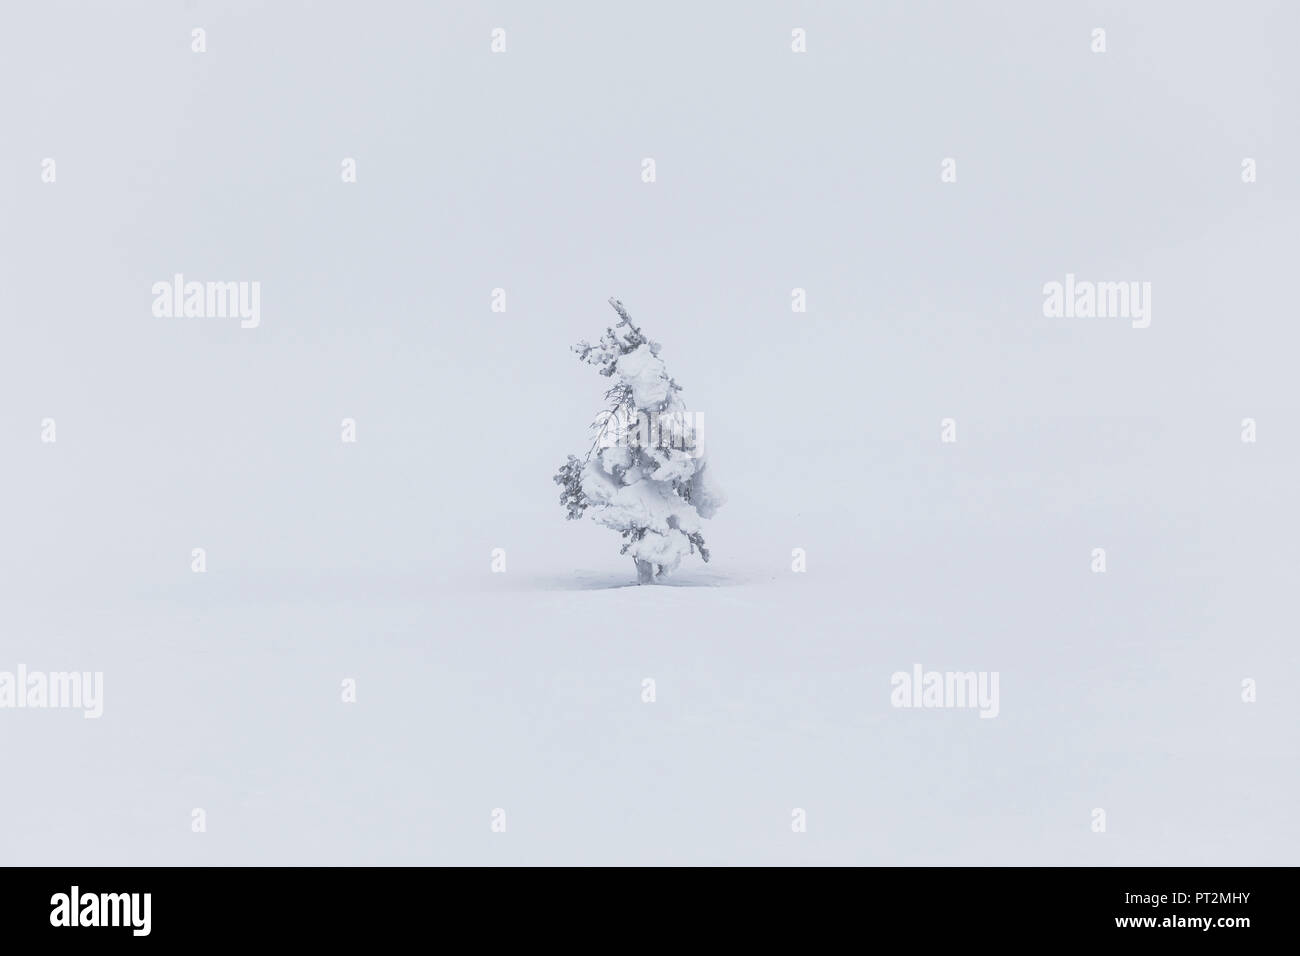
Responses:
[645,571]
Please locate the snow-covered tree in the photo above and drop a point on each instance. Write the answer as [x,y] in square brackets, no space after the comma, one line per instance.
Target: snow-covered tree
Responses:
[645,475]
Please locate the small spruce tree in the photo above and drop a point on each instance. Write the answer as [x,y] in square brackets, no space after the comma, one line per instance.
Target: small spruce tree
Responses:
[645,475]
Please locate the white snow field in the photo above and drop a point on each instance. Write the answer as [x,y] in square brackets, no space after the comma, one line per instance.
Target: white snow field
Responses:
[371,561]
